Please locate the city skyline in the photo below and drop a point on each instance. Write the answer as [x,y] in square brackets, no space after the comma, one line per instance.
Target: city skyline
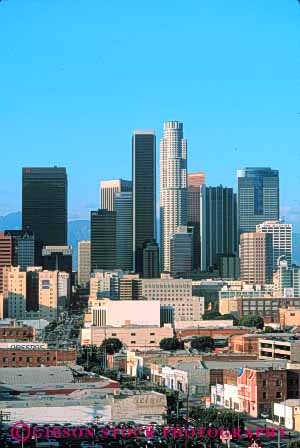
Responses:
[72,100]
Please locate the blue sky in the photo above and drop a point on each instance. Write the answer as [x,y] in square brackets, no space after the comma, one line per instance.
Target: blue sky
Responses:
[78,76]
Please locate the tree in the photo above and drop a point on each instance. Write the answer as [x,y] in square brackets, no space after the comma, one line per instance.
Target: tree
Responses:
[251,321]
[217,418]
[171,344]
[211,315]
[294,444]
[203,343]
[227,317]
[111,345]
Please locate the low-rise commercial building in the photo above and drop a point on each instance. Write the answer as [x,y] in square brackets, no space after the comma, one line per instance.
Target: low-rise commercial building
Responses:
[287,414]
[258,389]
[132,336]
[226,395]
[289,317]
[16,333]
[267,307]
[249,342]
[280,348]
[209,330]
[35,355]
[184,376]
[140,407]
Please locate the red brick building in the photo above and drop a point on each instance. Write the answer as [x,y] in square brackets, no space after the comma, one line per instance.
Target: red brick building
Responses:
[259,388]
[211,332]
[36,358]
[244,343]
[17,333]
[6,253]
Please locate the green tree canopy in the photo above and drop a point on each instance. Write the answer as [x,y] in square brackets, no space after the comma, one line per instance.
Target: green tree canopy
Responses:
[210,315]
[294,444]
[203,343]
[251,321]
[171,344]
[216,315]
[112,345]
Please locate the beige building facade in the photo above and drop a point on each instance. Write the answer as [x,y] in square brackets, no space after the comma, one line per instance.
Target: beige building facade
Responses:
[176,293]
[133,337]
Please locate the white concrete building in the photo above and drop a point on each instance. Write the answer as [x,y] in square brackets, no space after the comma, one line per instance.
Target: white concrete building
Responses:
[183,376]
[173,186]
[282,239]
[117,313]
[287,414]
[176,293]
[225,395]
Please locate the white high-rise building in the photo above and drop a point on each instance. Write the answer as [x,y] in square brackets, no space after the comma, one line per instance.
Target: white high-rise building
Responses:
[173,186]
[282,240]
[84,262]
[108,188]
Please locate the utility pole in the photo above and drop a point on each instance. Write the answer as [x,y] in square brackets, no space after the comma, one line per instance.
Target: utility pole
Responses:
[186,440]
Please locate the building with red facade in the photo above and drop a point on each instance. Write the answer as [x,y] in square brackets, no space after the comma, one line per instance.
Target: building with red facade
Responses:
[16,333]
[259,389]
[6,255]
[26,357]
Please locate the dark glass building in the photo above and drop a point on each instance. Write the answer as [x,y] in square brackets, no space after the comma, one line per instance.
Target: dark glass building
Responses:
[258,190]
[44,204]
[57,258]
[144,193]
[151,259]
[103,240]
[218,225]
[23,248]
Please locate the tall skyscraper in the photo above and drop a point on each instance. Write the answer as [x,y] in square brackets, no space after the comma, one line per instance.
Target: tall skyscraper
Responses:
[84,262]
[256,258]
[23,244]
[195,180]
[218,225]
[182,250]
[6,255]
[44,204]
[123,209]
[144,193]
[258,190]
[282,240]
[103,240]
[173,186]
[108,189]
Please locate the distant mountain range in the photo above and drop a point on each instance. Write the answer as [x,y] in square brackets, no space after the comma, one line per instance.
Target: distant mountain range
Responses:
[80,230]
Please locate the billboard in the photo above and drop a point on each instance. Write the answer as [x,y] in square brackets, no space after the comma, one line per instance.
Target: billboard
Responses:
[45,284]
[23,345]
